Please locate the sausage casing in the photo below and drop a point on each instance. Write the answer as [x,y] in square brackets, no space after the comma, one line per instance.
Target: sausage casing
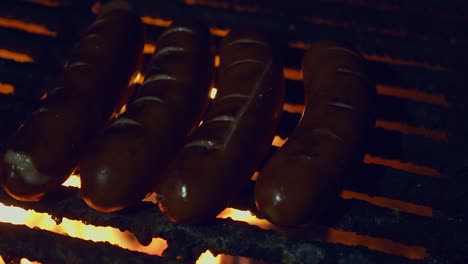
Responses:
[224,151]
[127,159]
[45,149]
[308,171]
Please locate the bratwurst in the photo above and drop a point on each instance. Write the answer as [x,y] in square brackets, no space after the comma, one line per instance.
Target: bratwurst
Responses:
[221,155]
[93,83]
[128,158]
[306,175]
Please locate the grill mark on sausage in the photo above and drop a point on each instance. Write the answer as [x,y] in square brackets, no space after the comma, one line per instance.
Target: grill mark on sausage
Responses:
[341,105]
[77,64]
[246,106]
[234,63]
[204,143]
[349,71]
[349,51]
[167,50]
[97,22]
[326,131]
[54,90]
[229,96]
[175,30]
[247,41]
[42,109]
[125,122]
[149,98]
[158,77]
[225,118]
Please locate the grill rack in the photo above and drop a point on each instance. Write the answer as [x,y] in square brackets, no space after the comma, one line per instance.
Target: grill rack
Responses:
[421,66]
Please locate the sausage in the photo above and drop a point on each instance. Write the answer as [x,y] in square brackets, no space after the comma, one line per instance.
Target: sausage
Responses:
[95,80]
[221,155]
[307,173]
[128,158]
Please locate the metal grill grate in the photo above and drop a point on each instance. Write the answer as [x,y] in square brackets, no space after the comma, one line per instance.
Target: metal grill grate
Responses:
[410,197]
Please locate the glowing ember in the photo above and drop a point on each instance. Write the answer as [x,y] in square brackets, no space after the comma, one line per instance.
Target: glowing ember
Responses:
[156,21]
[149,48]
[78,229]
[294,108]
[6,88]
[278,141]
[292,74]
[152,197]
[389,203]
[415,95]
[44,95]
[28,27]
[373,243]
[217,60]
[404,166]
[408,129]
[16,56]
[213,92]
[245,216]
[218,32]
[255,176]
[138,79]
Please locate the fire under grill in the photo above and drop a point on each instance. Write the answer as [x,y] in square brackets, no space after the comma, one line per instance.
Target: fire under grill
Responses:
[407,204]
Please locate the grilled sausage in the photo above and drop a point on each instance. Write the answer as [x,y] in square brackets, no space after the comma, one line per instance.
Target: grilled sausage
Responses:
[44,150]
[222,154]
[124,162]
[308,171]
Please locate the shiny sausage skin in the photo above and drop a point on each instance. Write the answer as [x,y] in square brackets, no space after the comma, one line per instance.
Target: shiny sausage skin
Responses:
[222,154]
[124,162]
[308,172]
[45,149]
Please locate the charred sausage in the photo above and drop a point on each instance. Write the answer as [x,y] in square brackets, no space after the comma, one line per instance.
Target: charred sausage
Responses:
[127,159]
[308,171]
[223,152]
[45,149]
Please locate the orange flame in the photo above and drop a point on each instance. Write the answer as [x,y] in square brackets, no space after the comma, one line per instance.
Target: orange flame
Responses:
[244,216]
[77,229]
[332,235]
[208,258]
[73,181]
[27,261]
